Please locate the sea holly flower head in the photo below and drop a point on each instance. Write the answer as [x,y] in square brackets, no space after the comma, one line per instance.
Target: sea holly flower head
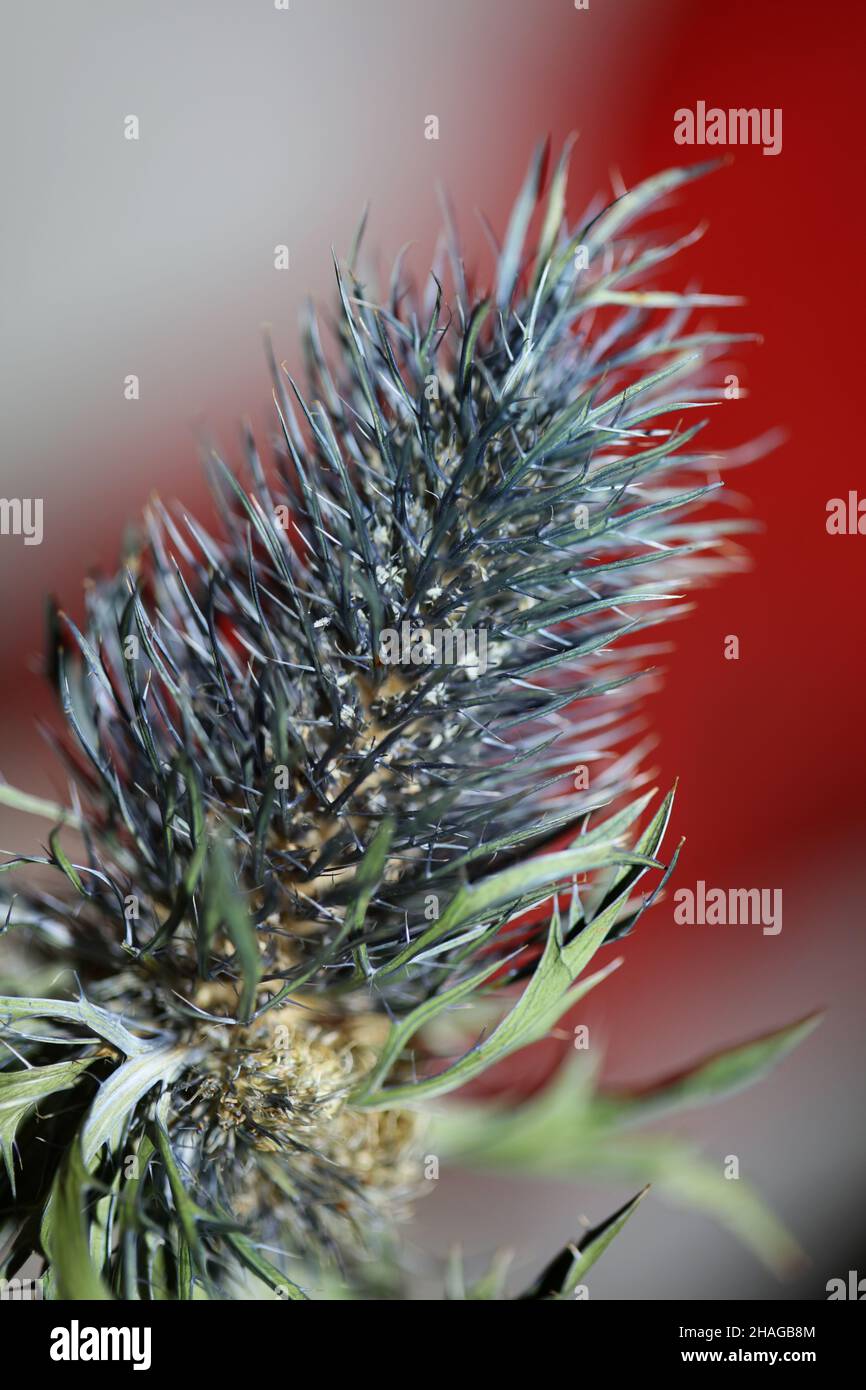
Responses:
[298,845]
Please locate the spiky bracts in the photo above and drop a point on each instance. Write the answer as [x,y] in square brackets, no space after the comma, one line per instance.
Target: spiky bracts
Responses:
[328,758]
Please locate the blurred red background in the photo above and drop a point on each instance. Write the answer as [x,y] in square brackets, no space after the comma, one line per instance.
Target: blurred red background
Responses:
[771,749]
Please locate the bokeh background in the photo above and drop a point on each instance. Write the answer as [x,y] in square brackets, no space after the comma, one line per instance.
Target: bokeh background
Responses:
[155,257]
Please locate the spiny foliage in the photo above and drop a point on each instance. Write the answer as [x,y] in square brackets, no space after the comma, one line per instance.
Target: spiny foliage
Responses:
[298,849]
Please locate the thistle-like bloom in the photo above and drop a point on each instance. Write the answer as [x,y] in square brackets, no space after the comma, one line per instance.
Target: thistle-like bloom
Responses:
[329,756]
